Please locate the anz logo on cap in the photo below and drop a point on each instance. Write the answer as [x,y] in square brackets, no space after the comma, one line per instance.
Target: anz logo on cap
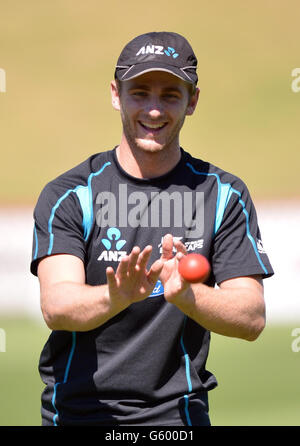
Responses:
[171,52]
[157,49]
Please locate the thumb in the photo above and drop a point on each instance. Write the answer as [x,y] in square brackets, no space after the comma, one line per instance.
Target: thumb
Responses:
[155,271]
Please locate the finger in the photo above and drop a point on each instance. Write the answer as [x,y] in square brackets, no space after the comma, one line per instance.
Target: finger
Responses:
[123,268]
[167,247]
[179,256]
[110,278]
[144,258]
[133,257]
[180,247]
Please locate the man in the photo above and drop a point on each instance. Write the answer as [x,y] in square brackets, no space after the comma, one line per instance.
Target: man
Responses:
[130,336]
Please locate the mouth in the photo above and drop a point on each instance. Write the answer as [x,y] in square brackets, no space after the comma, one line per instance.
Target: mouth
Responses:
[151,127]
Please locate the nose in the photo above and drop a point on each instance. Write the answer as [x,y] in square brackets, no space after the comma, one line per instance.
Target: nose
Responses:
[154,108]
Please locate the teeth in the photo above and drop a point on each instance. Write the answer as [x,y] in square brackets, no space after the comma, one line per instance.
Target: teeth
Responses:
[152,126]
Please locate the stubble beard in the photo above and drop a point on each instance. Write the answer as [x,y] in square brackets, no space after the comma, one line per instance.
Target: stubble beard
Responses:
[150,145]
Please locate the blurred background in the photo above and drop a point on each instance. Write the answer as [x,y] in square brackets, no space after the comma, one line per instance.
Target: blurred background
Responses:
[56,62]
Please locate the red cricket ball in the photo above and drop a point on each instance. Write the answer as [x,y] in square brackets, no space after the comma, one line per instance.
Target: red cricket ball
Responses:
[194,268]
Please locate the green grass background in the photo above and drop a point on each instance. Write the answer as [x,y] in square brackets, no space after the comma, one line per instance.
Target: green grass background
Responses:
[258,381]
[59,59]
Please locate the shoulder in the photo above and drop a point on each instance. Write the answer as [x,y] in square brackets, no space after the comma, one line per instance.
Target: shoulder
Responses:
[219,176]
[76,177]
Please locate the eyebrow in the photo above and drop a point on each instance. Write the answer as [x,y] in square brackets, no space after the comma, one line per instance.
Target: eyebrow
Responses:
[148,88]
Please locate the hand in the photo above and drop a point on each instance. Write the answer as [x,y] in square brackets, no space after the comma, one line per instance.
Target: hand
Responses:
[132,282]
[175,287]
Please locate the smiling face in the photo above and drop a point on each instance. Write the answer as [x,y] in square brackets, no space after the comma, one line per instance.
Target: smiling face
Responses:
[153,107]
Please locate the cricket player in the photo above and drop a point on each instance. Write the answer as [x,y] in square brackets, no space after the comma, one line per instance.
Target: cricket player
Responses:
[130,337]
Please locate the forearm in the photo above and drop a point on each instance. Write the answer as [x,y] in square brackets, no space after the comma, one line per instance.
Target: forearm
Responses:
[229,312]
[69,304]
[78,307]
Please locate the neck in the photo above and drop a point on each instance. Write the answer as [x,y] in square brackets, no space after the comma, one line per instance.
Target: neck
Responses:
[143,164]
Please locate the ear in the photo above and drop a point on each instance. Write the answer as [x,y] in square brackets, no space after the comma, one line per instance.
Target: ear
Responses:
[115,98]
[193,102]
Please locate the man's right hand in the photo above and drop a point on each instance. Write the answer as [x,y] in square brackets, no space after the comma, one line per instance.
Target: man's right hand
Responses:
[132,282]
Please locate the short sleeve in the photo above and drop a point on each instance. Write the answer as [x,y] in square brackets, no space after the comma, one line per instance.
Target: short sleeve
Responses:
[57,225]
[238,249]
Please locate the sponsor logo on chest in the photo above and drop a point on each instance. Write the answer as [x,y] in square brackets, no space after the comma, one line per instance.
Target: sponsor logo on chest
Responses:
[113,240]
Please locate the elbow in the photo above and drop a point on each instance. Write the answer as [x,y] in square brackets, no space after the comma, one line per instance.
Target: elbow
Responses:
[256,321]
[255,329]
[51,314]
[51,318]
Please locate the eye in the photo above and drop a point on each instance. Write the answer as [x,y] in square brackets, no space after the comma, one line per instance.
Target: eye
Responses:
[139,93]
[172,96]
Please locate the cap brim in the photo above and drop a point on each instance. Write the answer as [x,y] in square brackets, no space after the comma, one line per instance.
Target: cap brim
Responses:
[127,73]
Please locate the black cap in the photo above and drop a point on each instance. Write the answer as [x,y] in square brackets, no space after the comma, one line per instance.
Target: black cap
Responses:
[157,51]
